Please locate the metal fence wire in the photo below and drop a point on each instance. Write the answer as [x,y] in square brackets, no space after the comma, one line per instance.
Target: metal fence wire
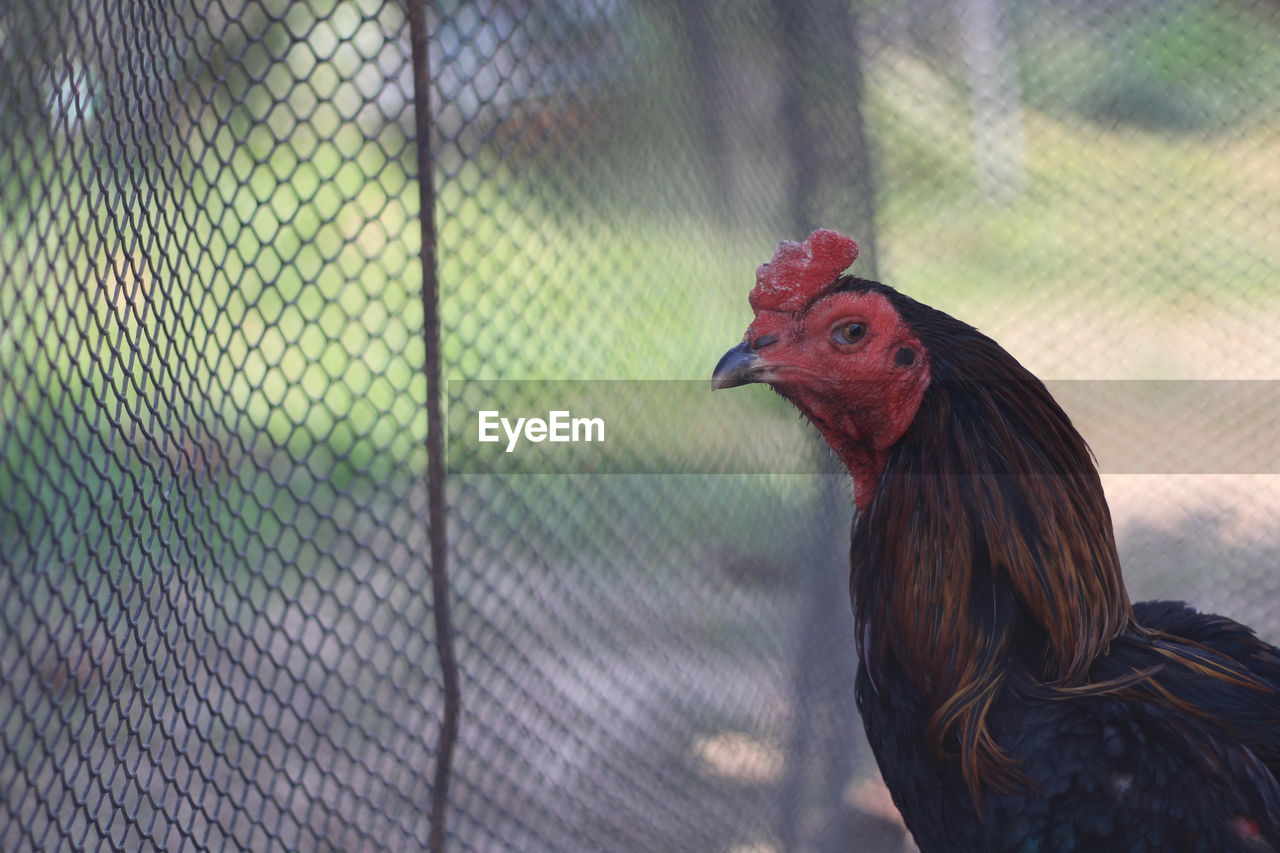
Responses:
[216,602]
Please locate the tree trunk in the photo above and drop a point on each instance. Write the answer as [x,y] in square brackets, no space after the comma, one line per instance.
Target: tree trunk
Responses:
[832,183]
[995,99]
[700,44]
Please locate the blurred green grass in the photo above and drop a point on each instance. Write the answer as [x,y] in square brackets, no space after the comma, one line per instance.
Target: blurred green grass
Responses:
[286,290]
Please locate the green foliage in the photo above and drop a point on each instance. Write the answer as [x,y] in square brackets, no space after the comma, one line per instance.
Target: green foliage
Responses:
[288,291]
[1201,65]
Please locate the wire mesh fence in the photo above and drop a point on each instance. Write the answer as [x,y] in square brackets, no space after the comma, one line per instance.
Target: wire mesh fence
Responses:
[216,601]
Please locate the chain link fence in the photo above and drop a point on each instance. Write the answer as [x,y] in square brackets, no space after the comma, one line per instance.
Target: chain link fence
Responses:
[216,607]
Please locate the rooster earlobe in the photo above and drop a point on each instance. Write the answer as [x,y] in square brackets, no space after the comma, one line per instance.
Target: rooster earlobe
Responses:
[800,271]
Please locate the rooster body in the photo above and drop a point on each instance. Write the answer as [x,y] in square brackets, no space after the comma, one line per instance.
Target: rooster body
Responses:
[1111,775]
[1014,698]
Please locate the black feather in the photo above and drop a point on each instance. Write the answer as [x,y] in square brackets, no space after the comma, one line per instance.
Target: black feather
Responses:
[1014,699]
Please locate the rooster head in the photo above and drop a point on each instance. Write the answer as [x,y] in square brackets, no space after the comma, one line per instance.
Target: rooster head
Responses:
[836,348]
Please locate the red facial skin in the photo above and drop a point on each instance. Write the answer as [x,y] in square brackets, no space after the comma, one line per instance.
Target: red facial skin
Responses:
[857,395]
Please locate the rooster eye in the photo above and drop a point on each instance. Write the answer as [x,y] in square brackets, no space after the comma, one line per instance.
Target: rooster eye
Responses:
[849,333]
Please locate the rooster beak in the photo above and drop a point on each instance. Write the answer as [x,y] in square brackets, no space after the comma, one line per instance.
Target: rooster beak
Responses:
[739,366]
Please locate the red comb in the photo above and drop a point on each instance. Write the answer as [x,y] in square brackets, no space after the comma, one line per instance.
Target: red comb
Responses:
[800,271]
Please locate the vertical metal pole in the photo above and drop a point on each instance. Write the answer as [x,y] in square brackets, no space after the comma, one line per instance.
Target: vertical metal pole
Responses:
[437,508]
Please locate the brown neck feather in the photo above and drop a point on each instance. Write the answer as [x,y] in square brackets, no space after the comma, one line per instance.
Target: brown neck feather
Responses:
[1030,577]
[985,551]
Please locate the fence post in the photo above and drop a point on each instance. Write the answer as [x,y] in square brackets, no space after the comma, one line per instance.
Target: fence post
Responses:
[437,509]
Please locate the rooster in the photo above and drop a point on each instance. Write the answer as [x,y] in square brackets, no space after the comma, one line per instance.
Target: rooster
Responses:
[1014,697]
